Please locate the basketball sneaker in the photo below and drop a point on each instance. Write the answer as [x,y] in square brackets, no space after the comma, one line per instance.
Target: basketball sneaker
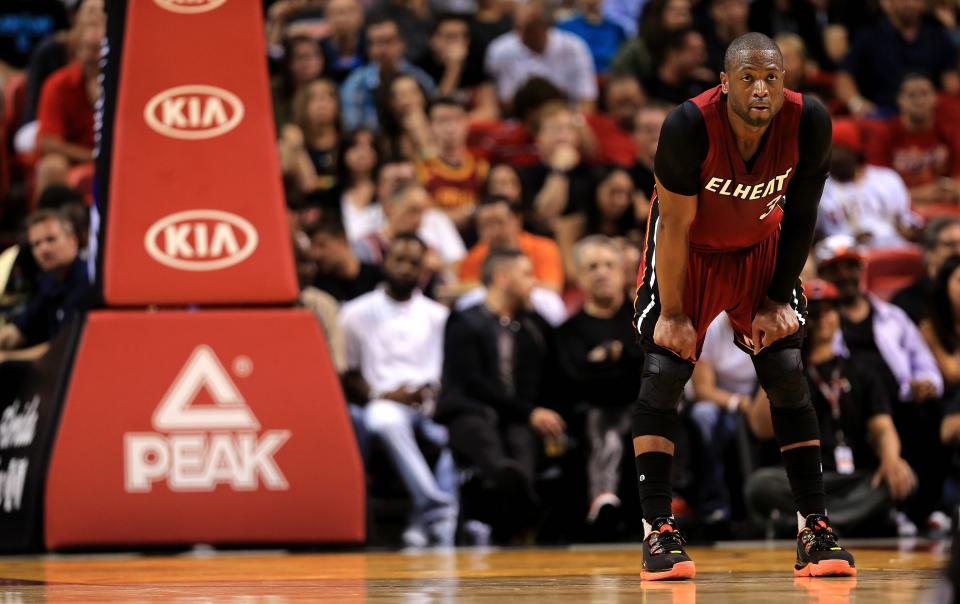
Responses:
[819,553]
[663,554]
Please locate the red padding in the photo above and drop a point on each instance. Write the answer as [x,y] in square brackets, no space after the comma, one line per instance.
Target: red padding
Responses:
[196,212]
[204,427]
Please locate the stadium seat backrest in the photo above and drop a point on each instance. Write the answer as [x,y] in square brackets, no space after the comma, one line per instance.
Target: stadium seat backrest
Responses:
[888,270]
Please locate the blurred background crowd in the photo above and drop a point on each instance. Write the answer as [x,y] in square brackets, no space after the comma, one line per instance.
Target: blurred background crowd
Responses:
[468,182]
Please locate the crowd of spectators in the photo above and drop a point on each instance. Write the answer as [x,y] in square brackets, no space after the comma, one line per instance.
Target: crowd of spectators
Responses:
[468,184]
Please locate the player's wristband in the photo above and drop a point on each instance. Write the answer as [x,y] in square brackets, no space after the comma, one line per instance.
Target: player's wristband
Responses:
[733,403]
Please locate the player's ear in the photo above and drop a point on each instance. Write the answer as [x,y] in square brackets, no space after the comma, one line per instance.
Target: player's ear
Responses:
[724,83]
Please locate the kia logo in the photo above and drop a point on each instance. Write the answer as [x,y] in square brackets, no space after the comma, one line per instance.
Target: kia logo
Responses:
[201,240]
[190,6]
[194,112]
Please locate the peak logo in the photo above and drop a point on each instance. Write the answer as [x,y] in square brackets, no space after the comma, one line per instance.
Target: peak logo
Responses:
[194,112]
[198,447]
[201,240]
[190,6]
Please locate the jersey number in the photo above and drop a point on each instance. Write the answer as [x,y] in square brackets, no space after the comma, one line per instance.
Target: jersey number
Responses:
[771,205]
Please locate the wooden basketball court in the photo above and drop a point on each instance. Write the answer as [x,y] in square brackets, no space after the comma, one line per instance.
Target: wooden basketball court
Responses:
[726,573]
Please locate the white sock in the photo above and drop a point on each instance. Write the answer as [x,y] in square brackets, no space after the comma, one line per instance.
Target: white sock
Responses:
[801,522]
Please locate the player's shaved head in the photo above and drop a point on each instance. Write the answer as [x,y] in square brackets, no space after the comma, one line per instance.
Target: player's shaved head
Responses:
[744,46]
[752,79]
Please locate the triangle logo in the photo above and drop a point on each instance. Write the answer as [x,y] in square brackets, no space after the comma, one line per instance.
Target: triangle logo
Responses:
[203,370]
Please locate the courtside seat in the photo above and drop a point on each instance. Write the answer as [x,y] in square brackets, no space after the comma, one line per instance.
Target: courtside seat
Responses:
[887,270]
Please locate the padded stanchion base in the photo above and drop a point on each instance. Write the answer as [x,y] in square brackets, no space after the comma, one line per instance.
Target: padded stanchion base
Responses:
[204,427]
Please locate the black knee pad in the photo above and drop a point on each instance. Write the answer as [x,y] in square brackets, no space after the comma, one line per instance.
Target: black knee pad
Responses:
[781,375]
[662,385]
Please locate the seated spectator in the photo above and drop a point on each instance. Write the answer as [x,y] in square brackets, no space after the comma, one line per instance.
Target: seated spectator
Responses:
[496,365]
[308,145]
[62,294]
[724,384]
[436,230]
[939,328]
[499,227]
[456,76]
[870,203]
[859,443]
[286,20]
[344,49]
[646,136]
[614,213]
[65,112]
[491,19]
[602,36]
[681,73]
[402,113]
[412,18]
[729,19]
[20,275]
[338,270]
[303,63]
[941,333]
[795,16]
[394,346]
[599,356]
[907,40]
[800,73]
[622,97]
[404,212]
[357,166]
[50,55]
[385,48]
[453,175]
[941,239]
[871,326]
[661,16]
[924,152]
[536,48]
[503,181]
[882,337]
[560,182]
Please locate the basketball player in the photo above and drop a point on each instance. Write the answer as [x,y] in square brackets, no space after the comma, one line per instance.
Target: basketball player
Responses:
[739,172]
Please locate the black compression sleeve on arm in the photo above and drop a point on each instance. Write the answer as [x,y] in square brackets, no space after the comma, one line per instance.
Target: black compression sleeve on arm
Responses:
[682,148]
[802,199]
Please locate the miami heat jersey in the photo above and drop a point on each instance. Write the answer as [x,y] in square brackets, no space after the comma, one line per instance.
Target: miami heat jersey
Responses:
[740,205]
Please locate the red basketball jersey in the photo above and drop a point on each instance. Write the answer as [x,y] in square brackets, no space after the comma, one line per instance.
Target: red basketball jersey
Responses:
[740,208]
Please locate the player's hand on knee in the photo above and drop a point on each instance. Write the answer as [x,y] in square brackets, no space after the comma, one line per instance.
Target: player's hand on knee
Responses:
[676,333]
[774,321]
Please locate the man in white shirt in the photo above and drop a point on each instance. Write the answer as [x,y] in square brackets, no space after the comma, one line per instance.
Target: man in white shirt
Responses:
[394,350]
[536,48]
[870,203]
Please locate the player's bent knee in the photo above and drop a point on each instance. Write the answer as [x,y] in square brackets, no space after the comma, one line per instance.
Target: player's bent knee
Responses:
[664,377]
[663,380]
[780,373]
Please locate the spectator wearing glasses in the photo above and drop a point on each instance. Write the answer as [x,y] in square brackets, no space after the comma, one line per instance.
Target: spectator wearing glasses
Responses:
[941,239]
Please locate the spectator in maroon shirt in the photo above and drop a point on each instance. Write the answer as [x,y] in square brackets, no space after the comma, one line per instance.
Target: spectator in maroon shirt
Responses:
[65,112]
[925,152]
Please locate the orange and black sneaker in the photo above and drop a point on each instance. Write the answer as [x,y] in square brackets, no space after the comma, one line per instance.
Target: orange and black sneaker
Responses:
[819,553]
[663,554]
